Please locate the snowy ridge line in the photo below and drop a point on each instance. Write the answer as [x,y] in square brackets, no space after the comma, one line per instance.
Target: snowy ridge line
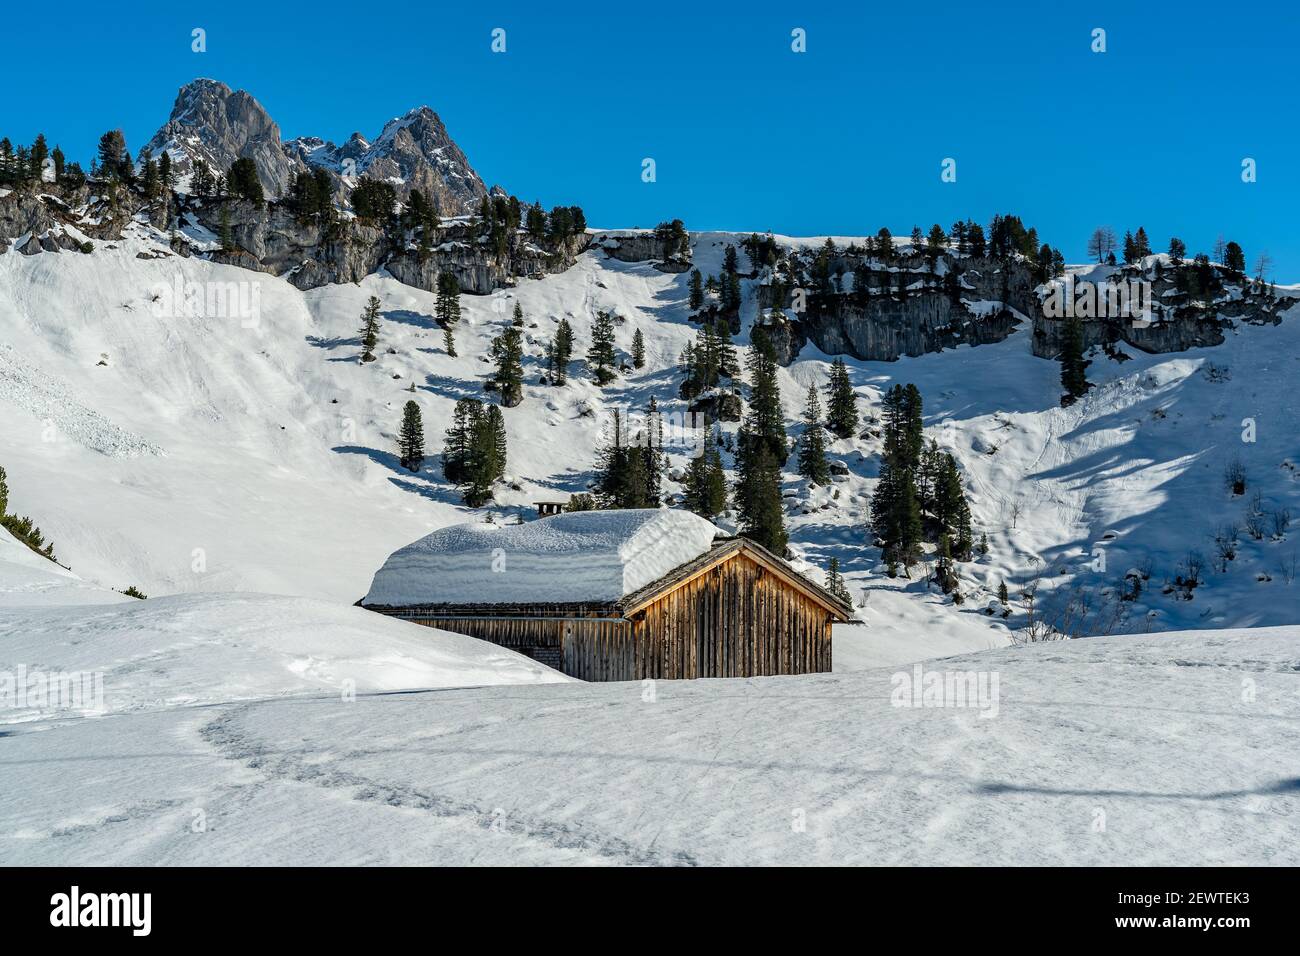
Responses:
[51,400]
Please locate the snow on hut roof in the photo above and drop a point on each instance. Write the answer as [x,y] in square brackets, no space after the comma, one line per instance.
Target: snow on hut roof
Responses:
[596,556]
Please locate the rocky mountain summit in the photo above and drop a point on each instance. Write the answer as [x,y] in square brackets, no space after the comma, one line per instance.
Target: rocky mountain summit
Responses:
[414,152]
[209,121]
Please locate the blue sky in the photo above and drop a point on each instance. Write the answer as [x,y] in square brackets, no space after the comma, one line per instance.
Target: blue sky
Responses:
[745,133]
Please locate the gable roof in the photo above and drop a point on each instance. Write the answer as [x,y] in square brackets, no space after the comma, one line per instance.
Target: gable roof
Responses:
[722,550]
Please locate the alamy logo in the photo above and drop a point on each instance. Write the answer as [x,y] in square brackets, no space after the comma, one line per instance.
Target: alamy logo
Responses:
[103,909]
[52,690]
[922,688]
[1078,298]
[209,300]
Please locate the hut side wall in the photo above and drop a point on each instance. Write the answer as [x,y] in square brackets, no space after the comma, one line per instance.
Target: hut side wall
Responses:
[588,649]
[735,620]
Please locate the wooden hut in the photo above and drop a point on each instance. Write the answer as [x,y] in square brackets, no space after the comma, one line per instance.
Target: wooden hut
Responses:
[734,609]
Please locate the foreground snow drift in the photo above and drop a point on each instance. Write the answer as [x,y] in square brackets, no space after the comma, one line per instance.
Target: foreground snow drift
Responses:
[205,648]
[1168,749]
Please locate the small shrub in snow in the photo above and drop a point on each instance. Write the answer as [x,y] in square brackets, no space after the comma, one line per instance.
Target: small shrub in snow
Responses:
[1225,545]
[1287,567]
[1190,569]
[1234,476]
[1281,521]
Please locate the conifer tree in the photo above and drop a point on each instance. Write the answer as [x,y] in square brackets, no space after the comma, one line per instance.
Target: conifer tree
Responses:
[706,483]
[518,317]
[39,154]
[638,349]
[457,439]
[1002,592]
[695,290]
[812,443]
[1234,258]
[835,581]
[758,492]
[114,161]
[166,175]
[621,479]
[943,569]
[936,242]
[765,420]
[150,182]
[895,510]
[558,353]
[447,305]
[1141,244]
[1073,365]
[474,450]
[651,448]
[841,402]
[201,182]
[600,355]
[508,352]
[370,329]
[225,234]
[410,441]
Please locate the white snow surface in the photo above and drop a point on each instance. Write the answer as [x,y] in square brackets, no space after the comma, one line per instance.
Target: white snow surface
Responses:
[1154,735]
[27,579]
[204,648]
[594,556]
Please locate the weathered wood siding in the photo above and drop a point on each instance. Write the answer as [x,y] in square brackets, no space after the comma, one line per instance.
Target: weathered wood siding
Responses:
[588,649]
[734,620]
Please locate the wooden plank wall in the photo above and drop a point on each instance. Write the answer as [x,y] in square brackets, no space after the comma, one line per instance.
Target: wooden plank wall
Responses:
[735,620]
[595,650]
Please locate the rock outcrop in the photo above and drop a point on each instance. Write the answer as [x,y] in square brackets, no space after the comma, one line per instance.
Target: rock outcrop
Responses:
[412,152]
[910,307]
[1191,305]
[666,251]
[270,238]
[219,125]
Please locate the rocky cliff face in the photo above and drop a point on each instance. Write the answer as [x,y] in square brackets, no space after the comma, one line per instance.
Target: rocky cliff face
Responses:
[644,246]
[219,125]
[272,239]
[910,307]
[56,219]
[1191,306]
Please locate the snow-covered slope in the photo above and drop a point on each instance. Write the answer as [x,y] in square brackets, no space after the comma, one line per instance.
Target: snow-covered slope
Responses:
[1173,749]
[186,453]
[29,580]
[202,648]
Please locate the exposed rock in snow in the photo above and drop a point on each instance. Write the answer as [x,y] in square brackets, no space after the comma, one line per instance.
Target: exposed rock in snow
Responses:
[413,151]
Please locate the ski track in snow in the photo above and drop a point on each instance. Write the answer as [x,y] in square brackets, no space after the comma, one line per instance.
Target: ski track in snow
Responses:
[1149,734]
